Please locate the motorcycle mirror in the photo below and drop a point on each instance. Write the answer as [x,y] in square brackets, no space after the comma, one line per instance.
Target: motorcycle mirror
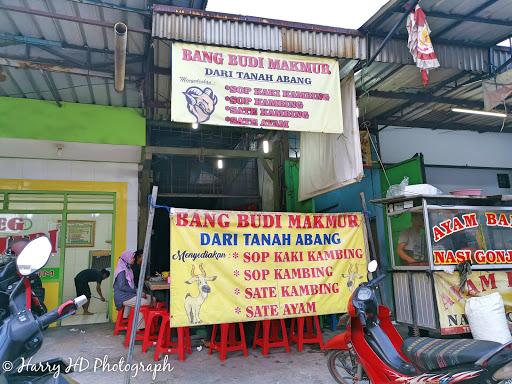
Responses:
[372,266]
[34,256]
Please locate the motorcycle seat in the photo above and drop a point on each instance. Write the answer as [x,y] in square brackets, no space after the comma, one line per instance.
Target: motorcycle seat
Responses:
[429,354]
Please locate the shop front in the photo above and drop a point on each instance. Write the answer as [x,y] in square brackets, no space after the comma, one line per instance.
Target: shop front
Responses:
[86,225]
[75,180]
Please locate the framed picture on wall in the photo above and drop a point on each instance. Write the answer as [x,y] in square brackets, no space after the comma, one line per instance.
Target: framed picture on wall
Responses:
[80,233]
[100,259]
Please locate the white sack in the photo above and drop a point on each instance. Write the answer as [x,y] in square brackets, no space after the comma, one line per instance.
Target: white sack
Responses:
[487,319]
[332,161]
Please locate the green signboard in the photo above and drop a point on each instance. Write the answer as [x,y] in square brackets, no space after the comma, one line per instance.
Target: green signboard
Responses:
[49,274]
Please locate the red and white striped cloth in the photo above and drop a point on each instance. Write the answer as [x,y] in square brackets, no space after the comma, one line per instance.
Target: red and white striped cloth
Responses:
[419,43]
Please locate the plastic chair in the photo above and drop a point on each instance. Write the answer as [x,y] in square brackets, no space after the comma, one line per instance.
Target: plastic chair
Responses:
[270,336]
[121,324]
[228,341]
[311,335]
[153,327]
[139,334]
[165,343]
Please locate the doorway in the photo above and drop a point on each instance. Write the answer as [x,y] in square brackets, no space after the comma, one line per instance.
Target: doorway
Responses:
[88,246]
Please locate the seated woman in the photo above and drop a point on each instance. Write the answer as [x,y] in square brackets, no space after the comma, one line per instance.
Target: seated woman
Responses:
[125,292]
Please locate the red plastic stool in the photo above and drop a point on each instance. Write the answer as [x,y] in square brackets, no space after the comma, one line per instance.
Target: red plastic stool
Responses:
[308,336]
[228,341]
[270,336]
[121,324]
[153,327]
[139,335]
[160,305]
[165,343]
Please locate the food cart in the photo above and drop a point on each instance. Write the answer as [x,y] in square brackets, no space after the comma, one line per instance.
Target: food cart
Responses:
[432,240]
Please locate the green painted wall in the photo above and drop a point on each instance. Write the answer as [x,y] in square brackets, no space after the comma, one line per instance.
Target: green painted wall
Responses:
[291,174]
[83,123]
[414,170]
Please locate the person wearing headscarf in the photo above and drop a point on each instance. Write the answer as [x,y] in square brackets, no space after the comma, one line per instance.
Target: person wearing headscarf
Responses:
[125,291]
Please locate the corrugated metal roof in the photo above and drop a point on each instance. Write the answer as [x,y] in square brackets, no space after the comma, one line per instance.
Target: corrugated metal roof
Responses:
[390,89]
[63,49]
[276,35]
[450,56]
[472,22]
[394,95]
[255,33]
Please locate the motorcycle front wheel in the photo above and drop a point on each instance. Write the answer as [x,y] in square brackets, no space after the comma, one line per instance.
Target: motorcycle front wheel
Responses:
[345,369]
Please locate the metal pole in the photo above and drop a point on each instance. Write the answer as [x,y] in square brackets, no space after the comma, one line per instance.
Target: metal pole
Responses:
[140,287]
[390,34]
[373,254]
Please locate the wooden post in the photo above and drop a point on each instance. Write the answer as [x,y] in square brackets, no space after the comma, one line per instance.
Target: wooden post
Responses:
[144,190]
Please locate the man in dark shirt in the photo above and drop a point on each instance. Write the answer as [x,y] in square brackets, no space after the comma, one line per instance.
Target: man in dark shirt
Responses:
[82,281]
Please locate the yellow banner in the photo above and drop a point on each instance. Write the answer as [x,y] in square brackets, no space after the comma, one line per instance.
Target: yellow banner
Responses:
[255,89]
[451,302]
[239,266]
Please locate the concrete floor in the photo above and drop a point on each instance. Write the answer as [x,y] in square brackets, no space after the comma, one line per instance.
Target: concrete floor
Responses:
[79,319]
[96,341]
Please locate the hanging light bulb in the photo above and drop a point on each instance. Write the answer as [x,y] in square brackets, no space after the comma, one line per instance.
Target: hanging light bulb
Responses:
[195,125]
[220,164]
[266,146]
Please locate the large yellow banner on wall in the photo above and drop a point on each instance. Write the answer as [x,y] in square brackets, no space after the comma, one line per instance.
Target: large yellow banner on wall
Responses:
[239,266]
[451,302]
[256,89]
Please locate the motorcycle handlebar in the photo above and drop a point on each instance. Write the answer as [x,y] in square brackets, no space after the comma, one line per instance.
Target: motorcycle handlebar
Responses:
[377,280]
[65,309]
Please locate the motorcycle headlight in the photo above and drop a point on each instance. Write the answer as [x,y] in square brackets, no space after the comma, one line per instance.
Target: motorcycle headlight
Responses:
[503,373]
[364,294]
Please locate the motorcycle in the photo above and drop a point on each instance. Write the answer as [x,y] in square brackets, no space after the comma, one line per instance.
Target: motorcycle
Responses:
[372,350]
[33,299]
[21,331]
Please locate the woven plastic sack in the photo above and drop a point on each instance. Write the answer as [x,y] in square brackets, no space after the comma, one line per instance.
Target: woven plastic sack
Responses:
[487,319]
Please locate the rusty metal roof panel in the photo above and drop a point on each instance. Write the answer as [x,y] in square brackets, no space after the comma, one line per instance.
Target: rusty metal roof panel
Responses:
[216,32]
[255,33]
[450,56]
[68,46]
[477,22]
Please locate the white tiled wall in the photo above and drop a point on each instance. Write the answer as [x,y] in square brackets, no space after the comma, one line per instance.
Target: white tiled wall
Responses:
[38,169]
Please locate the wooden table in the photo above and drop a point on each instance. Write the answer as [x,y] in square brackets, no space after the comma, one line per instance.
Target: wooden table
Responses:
[157,285]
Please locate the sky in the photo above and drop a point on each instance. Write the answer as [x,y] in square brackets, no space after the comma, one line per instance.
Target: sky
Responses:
[334,13]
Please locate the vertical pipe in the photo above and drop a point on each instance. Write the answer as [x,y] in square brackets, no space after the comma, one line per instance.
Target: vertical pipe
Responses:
[121,35]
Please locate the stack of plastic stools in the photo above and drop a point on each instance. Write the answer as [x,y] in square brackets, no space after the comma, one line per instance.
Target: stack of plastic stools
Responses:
[154,319]
[165,343]
[228,341]
[139,334]
[311,335]
[270,336]
[121,324]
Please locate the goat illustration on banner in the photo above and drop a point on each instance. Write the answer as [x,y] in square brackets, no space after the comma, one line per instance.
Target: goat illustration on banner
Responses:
[193,304]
